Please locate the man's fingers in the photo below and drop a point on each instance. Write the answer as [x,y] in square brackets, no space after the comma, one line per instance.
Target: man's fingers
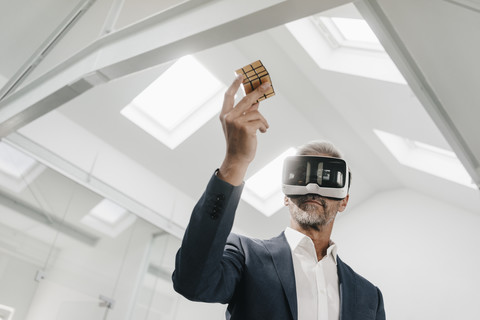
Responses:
[251,98]
[255,119]
[229,98]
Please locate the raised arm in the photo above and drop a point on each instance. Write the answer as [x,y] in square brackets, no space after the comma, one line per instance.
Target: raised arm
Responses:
[240,125]
[204,270]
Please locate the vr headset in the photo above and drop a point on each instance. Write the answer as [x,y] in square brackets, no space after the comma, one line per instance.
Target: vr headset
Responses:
[325,176]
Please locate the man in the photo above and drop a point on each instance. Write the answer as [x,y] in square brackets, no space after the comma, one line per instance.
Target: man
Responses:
[296,275]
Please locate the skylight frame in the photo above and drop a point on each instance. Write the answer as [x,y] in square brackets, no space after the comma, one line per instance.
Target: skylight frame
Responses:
[268,196]
[106,225]
[336,37]
[14,162]
[335,27]
[17,181]
[178,130]
[323,42]
[6,312]
[424,157]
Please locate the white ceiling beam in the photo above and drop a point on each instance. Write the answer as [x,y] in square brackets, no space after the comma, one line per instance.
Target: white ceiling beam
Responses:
[51,221]
[98,185]
[47,46]
[398,51]
[117,55]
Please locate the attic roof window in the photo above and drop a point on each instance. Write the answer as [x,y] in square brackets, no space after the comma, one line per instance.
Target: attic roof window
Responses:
[17,169]
[108,212]
[6,313]
[177,103]
[353,32]
[109,218]
[427,158]
[344,44]
[13,162]
[263,190]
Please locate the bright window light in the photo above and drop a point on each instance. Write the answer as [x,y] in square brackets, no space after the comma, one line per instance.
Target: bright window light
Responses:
[356,30]
[109,218]
[345,45]
[177,103]
[17,169]
[108,211]
[13,162]
[427,158]
[6,313]
[263,189]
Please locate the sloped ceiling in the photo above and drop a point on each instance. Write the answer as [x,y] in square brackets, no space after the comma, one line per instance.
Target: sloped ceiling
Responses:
[433,43]
[66,114]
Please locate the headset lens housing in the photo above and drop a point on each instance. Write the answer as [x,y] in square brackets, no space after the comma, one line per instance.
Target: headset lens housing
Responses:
[325,176]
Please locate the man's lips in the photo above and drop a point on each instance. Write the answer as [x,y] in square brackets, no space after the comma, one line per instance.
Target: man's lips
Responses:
[317,202]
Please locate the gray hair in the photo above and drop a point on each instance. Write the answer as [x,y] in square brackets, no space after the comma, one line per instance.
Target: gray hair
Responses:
[319,147]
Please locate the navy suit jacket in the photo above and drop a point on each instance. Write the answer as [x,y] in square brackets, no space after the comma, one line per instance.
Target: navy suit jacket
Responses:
[255,277]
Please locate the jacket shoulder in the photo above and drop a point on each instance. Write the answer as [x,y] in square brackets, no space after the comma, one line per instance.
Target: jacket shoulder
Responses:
[345,271]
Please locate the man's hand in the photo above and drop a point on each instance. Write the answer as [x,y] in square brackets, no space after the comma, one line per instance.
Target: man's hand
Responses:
[240,124]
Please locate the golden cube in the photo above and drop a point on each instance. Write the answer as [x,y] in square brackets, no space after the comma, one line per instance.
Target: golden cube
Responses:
[254,74]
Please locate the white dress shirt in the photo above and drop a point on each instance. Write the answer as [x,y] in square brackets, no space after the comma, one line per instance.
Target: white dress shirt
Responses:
[316,281]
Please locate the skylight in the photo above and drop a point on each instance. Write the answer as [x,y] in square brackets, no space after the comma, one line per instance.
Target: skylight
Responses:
[345,45]
[427,158]
[177,103]
[355,30]
[108,212]
[263,189]
[109,218]
[6,313]
[13,162]
[17,169]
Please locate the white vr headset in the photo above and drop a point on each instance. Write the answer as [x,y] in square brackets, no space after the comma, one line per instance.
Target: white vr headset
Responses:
[326,176]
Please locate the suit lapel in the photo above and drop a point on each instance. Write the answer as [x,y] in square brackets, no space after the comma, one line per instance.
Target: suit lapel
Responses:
[282,259]
[347,287]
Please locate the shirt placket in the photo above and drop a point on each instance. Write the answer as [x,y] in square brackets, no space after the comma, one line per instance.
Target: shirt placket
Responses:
[322,294]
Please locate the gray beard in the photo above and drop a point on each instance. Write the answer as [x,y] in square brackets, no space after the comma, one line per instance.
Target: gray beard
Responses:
[309,217]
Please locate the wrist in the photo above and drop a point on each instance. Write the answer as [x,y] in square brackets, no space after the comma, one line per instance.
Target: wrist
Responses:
[232,171]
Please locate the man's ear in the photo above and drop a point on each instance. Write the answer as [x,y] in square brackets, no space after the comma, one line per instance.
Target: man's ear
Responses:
[286,201]
[343,203]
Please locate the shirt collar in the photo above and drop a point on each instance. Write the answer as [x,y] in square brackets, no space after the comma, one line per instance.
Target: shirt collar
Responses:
[295,238]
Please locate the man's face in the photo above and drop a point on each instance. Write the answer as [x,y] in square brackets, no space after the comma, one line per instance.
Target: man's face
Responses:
[312,211]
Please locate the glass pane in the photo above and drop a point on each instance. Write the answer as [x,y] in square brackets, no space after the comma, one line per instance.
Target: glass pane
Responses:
[67,253]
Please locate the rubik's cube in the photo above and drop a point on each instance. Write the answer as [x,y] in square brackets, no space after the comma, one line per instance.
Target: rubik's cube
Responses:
[254,74]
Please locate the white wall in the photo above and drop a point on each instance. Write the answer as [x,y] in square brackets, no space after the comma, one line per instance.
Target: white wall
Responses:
[422,253]
[17,287]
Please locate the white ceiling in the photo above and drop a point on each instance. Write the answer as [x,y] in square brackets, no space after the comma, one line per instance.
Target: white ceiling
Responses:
[66,114]
[434,44]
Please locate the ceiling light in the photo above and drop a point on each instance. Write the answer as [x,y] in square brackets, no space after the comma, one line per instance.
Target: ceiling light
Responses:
[427,158]
[178,102]
[263,189]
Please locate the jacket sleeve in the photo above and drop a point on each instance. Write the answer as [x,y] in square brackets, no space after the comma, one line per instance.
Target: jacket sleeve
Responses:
[206,267]
[380,315]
